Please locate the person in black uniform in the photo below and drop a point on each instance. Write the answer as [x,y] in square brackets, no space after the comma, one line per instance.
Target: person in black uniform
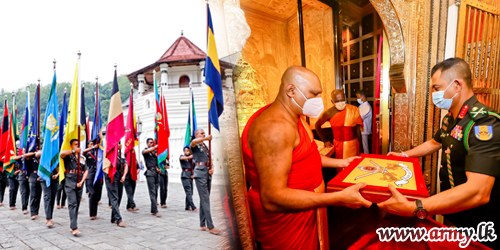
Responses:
[130,185]
[115,189]
[3,184]
[49,196]
[470,163]
[75,177]
[32,161]
[13,186]
[95,190]
[203,177]
[23,179]
[61,195]
[163,183]
[151,174]
[187,178]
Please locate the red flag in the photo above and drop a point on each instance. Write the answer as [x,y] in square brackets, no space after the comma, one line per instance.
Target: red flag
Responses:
[130,137]
[115,130]
[5,133]
[10,151]
[163,134]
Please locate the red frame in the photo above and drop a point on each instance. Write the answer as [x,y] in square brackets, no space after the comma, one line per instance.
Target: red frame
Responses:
[377,194]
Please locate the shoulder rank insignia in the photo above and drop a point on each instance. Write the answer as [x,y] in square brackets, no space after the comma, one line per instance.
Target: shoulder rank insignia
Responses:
[478,111]
[457,133]
[483,132]
[463,112]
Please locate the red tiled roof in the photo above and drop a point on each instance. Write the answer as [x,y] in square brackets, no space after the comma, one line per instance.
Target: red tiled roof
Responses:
[181,50]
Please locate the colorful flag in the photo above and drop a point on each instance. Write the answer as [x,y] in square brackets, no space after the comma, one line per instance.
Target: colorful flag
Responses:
[4,132]
[33,132]
[82,121]
[23,141]
[213,77]
[63,118]
[14,124]
[71,130]
[130,139]
[115,130]
[97,137]
[163,135]
[50,153]
[10,150]
[192,124]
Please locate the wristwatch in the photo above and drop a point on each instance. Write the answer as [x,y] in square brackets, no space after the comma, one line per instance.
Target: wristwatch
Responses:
[73,151]
[420,212]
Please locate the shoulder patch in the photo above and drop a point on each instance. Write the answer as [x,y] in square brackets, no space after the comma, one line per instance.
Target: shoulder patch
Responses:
[483,132]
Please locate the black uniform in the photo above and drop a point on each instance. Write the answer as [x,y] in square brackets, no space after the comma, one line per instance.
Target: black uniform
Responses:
[152,178]
[203,183]
[73,192]
[163,183]
[472,143]
[61,194]
[3,183]
[187,181]
[130,185]
[24,186]
[115,190]
[95,190]
[13,187]
[49,194]
[35,186]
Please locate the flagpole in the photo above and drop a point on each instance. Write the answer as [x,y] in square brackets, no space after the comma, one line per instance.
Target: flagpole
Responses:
[209,126]
[38,120]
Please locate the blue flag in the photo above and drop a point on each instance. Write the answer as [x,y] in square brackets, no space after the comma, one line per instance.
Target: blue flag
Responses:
[50,153]
[33,131]
[23,141]
[192,125]
[63,118]
[97,138]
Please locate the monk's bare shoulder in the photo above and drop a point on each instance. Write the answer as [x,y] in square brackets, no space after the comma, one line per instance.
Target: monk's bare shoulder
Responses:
[271,129]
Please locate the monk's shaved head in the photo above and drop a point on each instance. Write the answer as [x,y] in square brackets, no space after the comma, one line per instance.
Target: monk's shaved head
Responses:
[338,95]
[299,76]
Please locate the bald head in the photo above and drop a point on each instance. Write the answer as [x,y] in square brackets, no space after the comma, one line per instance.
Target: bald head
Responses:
[299,76]
[338,95]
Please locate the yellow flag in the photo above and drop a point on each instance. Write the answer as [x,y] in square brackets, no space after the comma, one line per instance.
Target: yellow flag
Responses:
[72,124]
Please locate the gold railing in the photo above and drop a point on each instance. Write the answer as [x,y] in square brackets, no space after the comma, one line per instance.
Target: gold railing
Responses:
[478,43]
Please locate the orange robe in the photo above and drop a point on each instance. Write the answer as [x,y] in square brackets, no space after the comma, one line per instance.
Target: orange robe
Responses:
[301,230]
[345,139]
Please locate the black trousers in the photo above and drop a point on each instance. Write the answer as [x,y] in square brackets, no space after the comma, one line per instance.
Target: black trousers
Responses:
[35,197]
[74,198]
[204,186]
[115,192]
[49,197]
[3,185]
[153,192]
[13,187]
[163,182]
[61,194]
[24,188]
[130,190]
[187,183]
[95,196]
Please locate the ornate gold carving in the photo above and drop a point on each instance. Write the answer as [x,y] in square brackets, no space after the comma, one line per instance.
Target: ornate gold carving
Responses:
[400,134]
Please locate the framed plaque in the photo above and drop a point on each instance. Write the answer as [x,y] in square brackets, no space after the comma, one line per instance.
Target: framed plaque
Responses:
[378,171]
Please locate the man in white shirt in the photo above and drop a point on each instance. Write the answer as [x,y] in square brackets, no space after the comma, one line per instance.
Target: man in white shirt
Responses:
[365,110]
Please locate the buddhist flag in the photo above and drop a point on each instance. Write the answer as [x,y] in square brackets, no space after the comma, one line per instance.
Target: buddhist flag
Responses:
[130,138]
[213,77]
[33,131]
[10,150]
[115,130]
[51,145]
[192,124]
[97,137]
[4,131]
[71,130]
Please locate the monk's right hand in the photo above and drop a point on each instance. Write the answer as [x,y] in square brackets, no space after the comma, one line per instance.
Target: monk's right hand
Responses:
[394,154]
[351,198]
[328,144]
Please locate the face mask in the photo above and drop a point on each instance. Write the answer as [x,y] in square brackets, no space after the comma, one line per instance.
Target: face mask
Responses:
[440,102]
[312,107]
[340,105]
[360,102]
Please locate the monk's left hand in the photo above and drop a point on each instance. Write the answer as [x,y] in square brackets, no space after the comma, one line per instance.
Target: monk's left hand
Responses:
[398,204]
[349,160]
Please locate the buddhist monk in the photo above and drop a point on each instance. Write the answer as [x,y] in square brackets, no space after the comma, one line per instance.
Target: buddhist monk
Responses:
[283,165]
[346,125]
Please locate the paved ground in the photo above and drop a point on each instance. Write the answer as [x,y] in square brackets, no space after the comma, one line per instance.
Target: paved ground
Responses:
[177,229]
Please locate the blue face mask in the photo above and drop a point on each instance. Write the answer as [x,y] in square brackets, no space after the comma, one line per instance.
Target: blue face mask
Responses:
[439,101]
[360,102]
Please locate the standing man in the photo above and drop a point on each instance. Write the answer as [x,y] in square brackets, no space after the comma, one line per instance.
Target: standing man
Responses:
[130,185]
[75,177]
[3,183]
[187,178]
[346,126]
[115,189]
[49,196]
[163,182]
[203,176]
[24,186]
[365,110]
[32,162]
[94,190]
[469,140]
[152,171]
[13,186]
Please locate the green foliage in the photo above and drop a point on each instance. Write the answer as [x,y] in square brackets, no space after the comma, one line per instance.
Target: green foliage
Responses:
[104,93]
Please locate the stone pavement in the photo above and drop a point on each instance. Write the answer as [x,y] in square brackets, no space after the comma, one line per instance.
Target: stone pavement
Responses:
[177,229]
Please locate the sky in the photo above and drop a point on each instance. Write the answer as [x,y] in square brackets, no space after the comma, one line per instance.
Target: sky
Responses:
[132,34]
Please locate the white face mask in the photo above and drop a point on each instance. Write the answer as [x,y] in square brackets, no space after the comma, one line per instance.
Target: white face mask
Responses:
[440,102]
[313,107]
[340,105]
[360,102]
